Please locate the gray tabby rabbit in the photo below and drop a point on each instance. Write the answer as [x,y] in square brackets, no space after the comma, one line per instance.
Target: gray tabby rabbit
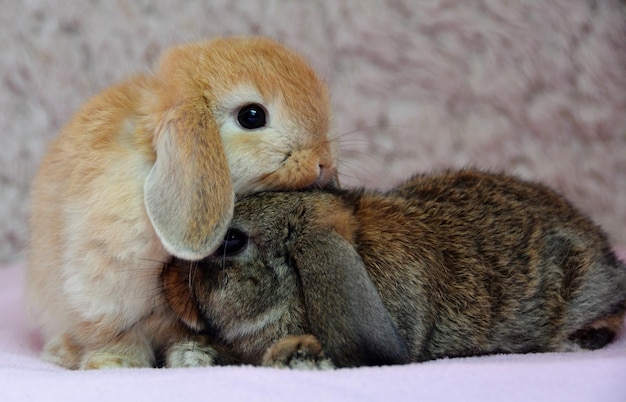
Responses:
[454,264]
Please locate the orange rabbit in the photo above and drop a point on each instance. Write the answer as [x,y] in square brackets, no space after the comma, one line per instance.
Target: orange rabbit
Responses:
[151,168]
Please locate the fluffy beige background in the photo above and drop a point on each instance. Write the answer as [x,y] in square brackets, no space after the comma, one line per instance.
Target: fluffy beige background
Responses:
[535,87]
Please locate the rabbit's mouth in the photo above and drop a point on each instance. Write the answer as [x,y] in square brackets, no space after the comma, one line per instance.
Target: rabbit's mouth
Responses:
[300,170]
[327,180]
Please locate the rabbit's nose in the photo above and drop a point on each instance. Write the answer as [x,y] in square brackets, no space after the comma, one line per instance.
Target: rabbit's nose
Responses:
[327,177]
[327,166]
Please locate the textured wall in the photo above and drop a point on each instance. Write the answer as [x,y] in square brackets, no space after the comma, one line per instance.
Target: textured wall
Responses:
[536,87]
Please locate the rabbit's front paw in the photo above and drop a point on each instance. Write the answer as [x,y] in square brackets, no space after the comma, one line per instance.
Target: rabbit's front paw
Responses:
[110,360]
[194,353]
[297,352]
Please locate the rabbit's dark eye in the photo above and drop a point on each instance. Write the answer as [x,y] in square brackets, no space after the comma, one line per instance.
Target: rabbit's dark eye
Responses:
[234,242]
[252,116]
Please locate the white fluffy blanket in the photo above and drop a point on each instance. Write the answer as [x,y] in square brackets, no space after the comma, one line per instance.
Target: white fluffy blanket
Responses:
[582,376]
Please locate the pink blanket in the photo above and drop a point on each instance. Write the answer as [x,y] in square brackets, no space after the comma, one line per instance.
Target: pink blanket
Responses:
[586,376]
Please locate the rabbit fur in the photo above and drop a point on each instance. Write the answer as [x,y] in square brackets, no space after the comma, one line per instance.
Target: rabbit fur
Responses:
[150,168]
[456,263]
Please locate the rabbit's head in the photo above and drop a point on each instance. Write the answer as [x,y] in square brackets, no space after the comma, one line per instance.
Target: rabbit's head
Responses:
[287,266]
[231,117]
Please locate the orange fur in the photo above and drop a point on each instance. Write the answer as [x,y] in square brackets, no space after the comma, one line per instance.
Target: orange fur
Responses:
[150,168]
[337,217]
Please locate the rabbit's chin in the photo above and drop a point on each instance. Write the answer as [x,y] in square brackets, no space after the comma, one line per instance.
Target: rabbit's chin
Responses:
[318,177]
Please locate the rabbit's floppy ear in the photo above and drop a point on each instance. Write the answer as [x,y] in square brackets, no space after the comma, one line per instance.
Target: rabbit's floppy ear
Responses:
[188,192]
[344,308]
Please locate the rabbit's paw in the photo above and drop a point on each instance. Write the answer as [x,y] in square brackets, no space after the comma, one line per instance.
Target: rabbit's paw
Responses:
[62,350]
[192,353]
[302,352]
[111,360]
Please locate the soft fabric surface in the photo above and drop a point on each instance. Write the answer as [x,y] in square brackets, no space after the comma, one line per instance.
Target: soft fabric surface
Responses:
[536,87]
[585,376]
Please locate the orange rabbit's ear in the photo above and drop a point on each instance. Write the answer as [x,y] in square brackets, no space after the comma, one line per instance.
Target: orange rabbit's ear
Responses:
[188,193]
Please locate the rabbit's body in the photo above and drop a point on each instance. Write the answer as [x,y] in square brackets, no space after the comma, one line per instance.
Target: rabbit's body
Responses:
[465,263]
[150,168]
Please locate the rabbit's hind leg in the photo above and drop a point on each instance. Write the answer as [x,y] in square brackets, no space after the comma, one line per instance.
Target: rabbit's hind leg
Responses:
[597,334]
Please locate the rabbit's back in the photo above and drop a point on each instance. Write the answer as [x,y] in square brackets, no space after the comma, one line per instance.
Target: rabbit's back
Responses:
[471,263]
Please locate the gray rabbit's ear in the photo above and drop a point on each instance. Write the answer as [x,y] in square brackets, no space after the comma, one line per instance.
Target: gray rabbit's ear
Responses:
[345,310]
[188,193]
